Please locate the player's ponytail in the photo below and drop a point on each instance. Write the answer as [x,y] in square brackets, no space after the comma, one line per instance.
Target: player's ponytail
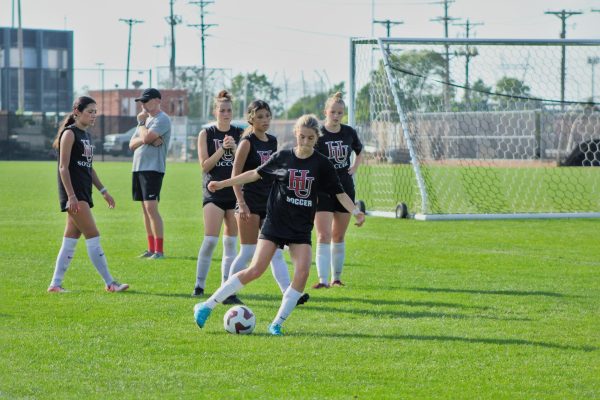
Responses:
[336,98]
[80,104]
[251,111]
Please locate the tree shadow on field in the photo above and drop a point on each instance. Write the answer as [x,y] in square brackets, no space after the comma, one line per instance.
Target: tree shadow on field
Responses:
[405,314]
[498,292]
[438,338]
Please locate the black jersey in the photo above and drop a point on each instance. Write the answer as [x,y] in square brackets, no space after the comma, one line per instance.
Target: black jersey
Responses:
[338,147]
[259,153]
[293,197]
[223,167]
[80,167]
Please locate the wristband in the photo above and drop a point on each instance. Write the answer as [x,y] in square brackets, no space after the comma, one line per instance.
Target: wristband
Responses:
[141,123]
[103,190]
[356,211]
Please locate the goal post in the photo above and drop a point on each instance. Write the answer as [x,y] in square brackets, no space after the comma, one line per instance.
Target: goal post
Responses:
[477,128]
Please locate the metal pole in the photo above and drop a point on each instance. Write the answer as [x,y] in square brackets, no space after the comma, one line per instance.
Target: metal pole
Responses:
[129,22]
[21,72]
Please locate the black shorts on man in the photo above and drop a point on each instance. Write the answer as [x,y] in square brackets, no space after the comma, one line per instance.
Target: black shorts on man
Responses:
[146,185]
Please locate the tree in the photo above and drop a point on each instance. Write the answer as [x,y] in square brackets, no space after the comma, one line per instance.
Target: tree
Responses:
[248,87]
[313,104]
[479,97]
[511,87]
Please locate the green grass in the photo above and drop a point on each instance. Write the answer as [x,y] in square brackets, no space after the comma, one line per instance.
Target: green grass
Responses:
[495,309]
[480,190]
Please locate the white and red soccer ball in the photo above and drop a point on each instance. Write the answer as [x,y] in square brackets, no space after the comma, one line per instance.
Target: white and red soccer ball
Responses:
[239,320]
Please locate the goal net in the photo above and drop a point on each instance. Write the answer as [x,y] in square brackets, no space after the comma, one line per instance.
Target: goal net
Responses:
[477,128]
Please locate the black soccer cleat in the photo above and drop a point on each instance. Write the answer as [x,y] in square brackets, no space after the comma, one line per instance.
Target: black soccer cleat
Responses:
[233,299]
[303,299]
[198,292]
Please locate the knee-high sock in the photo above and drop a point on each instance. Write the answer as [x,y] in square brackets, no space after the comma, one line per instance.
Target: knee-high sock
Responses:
[280,271]
[229,253]
[204,258]
[323,261]
[242,259]
[338,254]
[96,254]
[65,255]
[230,287]
[288,303]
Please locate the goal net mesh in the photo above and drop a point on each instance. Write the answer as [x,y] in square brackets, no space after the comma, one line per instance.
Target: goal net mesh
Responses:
[476,126]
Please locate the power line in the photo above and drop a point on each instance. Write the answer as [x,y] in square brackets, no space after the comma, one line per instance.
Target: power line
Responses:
[129,22]
[388,24]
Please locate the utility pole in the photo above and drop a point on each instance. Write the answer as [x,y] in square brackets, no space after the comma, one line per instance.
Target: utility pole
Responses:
[593,61]
[173,20]
[21,72]
[129,22]
[446,20]
[203,27]
[468,53]
[563,15]
[388,24]
[104,108]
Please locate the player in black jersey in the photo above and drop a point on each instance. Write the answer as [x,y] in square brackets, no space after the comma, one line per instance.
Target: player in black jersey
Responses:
[75,179]
[298,174]
[255,148]
[216,150]
[337,142]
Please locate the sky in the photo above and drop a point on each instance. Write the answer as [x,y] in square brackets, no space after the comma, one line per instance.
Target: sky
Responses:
[287,40]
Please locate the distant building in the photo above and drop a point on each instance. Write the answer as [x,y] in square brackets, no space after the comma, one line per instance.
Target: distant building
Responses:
[121,102]
[48,70]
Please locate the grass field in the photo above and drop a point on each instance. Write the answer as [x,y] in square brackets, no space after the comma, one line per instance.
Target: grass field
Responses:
[481,189]
[496,309]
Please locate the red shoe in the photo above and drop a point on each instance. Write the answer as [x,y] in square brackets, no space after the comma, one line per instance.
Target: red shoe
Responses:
[320,286]
[337,283]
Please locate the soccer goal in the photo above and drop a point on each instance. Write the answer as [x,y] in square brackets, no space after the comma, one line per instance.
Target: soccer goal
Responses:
[477,128]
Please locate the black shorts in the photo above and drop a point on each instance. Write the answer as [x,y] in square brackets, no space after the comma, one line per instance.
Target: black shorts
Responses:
[281,242]
[82,195]
[223,205]
[257,204]
[146,185]
[329,203]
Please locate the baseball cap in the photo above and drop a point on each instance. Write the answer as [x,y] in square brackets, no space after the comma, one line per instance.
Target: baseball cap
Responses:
[149,94]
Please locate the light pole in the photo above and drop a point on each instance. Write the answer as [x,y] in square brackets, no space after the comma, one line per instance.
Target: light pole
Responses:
[104,108]
[593,61]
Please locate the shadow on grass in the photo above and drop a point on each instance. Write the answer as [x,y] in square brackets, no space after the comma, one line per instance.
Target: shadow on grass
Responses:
[411,303]
[495,341]
[478,291]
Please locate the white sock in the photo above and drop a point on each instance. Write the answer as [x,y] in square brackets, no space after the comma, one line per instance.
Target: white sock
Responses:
[229,253]
[230,287]
[96,254]
[338,254]
[288,303]
[204,258]
[323,261]
[242,259]
[65,255]
[280,271]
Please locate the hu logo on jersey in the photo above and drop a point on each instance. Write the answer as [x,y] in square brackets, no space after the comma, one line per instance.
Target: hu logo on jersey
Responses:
[88,150]
[337,151]
[227,155]
[300,182]
[264,156]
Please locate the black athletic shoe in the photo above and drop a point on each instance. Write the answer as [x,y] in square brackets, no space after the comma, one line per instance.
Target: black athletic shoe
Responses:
[303,299]
[198,292]
[233,299]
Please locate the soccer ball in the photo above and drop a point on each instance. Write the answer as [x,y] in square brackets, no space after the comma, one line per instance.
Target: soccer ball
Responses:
[240,320]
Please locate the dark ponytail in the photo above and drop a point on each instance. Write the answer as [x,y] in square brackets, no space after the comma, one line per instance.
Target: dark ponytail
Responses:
[80,104]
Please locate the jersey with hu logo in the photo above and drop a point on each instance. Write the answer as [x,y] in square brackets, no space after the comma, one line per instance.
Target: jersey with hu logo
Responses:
[338,147]
[259,153]
[293,198]
[80,163]
[223,167]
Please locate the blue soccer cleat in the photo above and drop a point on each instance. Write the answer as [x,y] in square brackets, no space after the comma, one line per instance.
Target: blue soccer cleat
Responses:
[201,314]
[275,330]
